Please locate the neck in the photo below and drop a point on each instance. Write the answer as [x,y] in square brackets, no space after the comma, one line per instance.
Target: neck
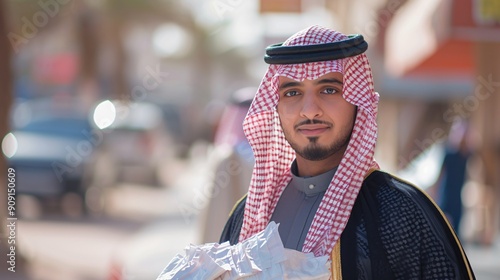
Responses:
[308,168]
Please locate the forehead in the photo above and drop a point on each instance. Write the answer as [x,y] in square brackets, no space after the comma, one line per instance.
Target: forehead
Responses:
[329,76]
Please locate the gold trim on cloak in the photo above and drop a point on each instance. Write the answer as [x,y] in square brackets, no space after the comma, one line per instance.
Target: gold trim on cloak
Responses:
[336,268]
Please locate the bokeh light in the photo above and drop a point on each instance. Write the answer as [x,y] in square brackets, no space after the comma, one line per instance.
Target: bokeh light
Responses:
[9,145]
[104,114]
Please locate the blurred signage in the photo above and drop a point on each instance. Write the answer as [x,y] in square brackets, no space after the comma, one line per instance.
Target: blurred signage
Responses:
[476,14]
[487,12]
[476,20]
[59,69]
[280,6]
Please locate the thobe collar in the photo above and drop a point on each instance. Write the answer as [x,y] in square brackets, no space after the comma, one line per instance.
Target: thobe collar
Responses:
[311,185]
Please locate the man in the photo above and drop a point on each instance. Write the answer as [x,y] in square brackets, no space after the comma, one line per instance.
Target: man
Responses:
[312,127]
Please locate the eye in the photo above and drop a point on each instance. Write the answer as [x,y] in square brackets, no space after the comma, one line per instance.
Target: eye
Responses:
[330,91]
[291,93]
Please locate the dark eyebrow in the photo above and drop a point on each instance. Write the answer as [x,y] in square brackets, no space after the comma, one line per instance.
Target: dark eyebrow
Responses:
[320,82]
[329,81]
[288,85]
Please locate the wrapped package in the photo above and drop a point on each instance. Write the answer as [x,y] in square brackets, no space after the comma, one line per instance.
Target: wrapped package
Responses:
[260,257]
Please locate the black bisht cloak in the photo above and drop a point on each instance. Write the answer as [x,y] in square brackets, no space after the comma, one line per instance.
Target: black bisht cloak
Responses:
[394,232]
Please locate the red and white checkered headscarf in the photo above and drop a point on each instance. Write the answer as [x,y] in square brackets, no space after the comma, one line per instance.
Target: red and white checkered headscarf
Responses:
[273,154]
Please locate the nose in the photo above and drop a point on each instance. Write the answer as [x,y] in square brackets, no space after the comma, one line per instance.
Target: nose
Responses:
[311,108]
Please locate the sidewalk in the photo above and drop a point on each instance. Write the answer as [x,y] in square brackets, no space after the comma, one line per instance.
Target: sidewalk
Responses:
[485,261]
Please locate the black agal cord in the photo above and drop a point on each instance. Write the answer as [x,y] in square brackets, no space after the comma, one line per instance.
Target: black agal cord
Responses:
[279,54]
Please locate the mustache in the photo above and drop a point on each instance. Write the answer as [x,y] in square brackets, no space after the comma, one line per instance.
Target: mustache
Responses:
[313,121]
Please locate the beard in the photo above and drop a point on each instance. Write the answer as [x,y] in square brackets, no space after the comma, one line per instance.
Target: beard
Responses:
[314,151]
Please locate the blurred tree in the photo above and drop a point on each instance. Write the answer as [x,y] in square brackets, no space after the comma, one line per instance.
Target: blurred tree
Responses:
[87,39]
[5,100]
[87,26]
[5,103]
[121,15]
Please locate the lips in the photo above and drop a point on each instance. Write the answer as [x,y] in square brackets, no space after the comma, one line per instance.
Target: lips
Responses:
[312,129]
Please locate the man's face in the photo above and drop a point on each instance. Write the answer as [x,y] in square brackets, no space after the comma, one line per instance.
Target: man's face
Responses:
[316,119]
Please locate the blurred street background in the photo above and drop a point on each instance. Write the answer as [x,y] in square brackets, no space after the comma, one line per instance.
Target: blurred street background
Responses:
[120,121]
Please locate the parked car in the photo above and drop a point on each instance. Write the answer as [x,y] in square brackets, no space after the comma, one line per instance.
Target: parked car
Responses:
[52,151]
[135,143]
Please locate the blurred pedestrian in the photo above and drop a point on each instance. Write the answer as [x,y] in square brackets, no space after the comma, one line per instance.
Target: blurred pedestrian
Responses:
[232,159]
[312,127]
[453,173]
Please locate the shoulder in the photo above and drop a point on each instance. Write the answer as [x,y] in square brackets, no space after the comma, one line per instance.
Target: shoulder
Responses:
[387,188]
[411,224]
[401,202]
[233,225]
[387,180]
